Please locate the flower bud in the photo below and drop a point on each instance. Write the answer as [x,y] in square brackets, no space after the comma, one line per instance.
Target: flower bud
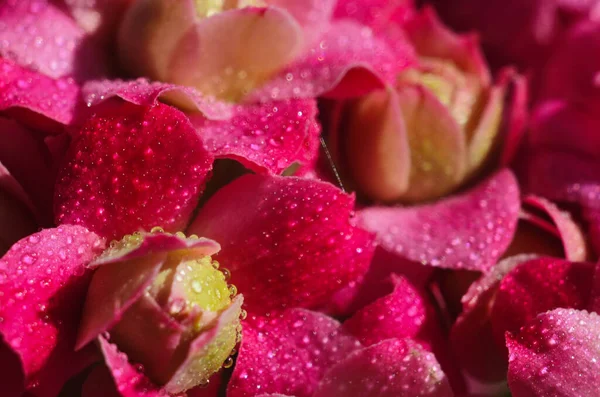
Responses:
[167,305]
[224,48]
[435,129]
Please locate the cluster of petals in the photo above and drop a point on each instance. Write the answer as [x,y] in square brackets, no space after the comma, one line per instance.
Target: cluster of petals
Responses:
[453,269]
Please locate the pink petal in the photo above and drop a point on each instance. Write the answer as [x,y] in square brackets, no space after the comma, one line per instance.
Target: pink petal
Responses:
[538,286]
[374,13]
[132,168]
[312,15]
[401,314]
[288,242]
[129,380]
[22,89]
[348,61]
[28,160]
[471,336]
[571,74]
[392,368]
[43,281]
[515,115]
[467,231]
[571,235]
[288,354]
[40,36]
[265,137]
[433,39]
[143,92]
[16,212]
[556,355]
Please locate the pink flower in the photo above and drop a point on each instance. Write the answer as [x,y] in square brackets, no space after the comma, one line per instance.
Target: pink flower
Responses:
[121,175]
[388,147]
[270,50]
[515,31]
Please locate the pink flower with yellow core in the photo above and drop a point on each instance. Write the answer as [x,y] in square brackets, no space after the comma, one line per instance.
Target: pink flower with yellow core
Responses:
[439,126]
[128,168]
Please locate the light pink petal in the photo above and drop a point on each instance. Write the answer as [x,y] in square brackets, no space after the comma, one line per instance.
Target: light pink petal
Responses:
[556,355]
[312,15]
[392,368]
[471,336]
[401,314]
[130,381]
[537,286]
[570,234]
[45,98]
[40,36]
[467,231]
[433,39]
[131,168]
[43,280]
[143,92]
[267,137]
[288,354]
[348,61]
[288,242]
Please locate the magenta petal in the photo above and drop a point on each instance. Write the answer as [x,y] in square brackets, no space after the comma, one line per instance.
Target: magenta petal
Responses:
[40,36]
[392,368]
[348,56]
[143,92]
[556,355]
[132,168]
[401,314]
[129,380]
[265,137]
[25,89]
[537,286]
[570,234]
[288,354]
[288,242]
[467,231]
[43,281]
[471,337]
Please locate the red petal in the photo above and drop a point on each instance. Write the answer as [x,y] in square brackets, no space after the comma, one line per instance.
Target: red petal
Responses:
[288,354]
[556,355]
[143,92]
[467,231]
[39,35]
[132,168]
[43,282]
[392,368]
[265,137]
[538,286]
[24,89]
[288,242]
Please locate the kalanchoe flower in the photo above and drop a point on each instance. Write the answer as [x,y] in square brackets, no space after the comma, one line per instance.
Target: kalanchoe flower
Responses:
[255,49]
[160,297]
[515,31]
[437,127]
[176,315]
